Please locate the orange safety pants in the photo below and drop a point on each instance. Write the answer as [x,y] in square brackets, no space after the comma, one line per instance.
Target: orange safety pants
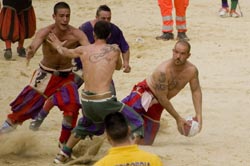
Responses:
[166,7]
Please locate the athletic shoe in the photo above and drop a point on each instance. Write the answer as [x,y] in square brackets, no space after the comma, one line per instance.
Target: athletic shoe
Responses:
[165,36]
[21,52]
[182,36]
[234,14]
[62,158]
[224,12]
[7,127]
[35,124]
[8,54]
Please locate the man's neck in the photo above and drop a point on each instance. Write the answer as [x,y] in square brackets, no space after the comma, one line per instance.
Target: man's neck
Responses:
[100,41]
[125,143]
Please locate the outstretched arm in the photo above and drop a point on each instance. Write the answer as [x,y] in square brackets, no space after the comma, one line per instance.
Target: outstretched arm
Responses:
[197,96]
[36,42]
[59,46]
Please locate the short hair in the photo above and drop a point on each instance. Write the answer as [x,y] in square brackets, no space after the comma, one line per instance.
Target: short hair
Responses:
[102,29]
[116,126]
[61,5]
[186,43]
[102,8]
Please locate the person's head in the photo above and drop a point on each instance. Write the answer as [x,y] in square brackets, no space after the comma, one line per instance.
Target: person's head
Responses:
[61,15]
[102,30]
[103,13]
[116,128]
[181,52]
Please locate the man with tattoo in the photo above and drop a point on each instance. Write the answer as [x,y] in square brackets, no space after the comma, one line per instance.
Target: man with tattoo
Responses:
[153,94]
[99,60]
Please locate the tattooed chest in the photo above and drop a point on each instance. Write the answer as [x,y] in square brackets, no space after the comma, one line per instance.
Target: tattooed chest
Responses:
[172,84]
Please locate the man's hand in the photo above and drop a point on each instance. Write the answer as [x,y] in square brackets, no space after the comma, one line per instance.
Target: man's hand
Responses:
[199,119]
[56,43]
[126,68]
[180,125]
[29,54]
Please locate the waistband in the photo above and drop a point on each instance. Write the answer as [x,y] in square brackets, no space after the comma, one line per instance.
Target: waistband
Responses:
[153,120]
[100,96]
[61,73]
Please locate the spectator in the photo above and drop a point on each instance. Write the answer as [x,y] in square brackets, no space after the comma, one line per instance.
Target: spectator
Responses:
[123,151]
[225,12]
[17,23]
[166,7]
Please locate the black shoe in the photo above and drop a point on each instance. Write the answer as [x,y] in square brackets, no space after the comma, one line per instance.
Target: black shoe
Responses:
[35,124]
[8,54]
[165,36]
[21,52]
[182,36]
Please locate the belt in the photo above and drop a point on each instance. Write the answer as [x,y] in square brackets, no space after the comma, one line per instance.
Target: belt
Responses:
[57,73]
[97,97]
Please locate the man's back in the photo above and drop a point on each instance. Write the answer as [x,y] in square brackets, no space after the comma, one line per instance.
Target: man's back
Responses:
[100,61]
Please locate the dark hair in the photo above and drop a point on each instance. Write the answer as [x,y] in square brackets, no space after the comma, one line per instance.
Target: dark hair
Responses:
[61,5]
[102,8]
[102,29]
[116,126]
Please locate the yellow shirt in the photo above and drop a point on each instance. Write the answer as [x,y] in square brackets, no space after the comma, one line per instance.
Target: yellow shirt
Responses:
[129,156]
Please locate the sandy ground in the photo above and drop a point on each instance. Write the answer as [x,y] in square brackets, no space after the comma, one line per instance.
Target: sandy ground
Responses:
[219,50]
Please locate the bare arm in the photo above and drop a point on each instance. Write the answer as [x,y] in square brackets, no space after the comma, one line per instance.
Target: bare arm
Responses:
[36,42]
[58,45]
[125,57]
[197,96]
[119,63]
[83,40]
[161,92]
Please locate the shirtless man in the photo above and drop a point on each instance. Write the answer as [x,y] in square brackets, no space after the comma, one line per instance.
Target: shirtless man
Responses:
[103,13]
[153,94]
[53,82]
[99,60]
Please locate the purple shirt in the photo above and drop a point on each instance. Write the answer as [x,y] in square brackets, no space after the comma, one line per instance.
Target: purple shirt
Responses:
[115,38]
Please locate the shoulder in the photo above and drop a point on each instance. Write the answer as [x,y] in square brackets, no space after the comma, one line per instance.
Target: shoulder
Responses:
[45,31]
[163,67]
[151,157]
[115,28]
[114,47]
[76,32]
[192,68]
[85,26]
